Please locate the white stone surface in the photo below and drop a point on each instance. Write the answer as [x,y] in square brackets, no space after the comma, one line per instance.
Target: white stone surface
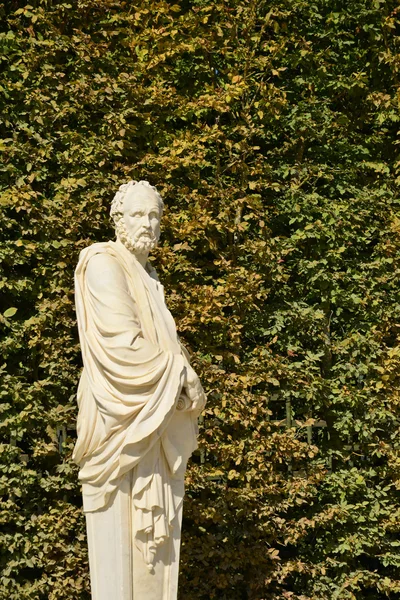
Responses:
[139,400]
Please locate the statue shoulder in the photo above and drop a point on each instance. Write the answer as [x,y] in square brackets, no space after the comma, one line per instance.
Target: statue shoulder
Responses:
[103,270]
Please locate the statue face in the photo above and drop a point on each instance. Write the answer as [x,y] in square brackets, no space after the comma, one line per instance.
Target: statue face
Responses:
[140,219]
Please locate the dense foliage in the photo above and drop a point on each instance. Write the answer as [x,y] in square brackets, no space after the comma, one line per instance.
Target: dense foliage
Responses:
[271,130]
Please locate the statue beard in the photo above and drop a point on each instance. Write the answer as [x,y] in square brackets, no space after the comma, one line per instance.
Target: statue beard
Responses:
[143,241]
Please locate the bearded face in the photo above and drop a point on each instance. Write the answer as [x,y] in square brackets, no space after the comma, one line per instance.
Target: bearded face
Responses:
[141,242]
[138,226]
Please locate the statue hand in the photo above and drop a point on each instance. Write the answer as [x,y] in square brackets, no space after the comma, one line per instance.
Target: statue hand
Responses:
[200,402]
[196,395]
[193,390]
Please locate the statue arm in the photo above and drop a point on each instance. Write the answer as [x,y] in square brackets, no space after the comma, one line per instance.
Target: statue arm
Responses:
[116,326]
[192,387]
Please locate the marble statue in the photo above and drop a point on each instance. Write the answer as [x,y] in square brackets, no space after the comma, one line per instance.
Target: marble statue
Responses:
[139,400]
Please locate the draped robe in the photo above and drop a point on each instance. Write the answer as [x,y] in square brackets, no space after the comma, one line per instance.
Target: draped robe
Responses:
[132,418]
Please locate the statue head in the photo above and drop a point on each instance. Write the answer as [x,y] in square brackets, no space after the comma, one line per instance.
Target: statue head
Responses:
[136,210]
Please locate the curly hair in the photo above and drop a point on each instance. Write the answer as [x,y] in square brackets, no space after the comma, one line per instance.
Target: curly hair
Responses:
[118,200]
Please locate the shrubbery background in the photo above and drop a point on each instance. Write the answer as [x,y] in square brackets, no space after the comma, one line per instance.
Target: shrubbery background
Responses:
[271,130]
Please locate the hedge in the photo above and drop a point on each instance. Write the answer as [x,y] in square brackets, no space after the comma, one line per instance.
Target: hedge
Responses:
[271,130]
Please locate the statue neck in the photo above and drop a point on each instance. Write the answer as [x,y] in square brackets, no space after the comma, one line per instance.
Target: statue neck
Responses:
[140,257]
